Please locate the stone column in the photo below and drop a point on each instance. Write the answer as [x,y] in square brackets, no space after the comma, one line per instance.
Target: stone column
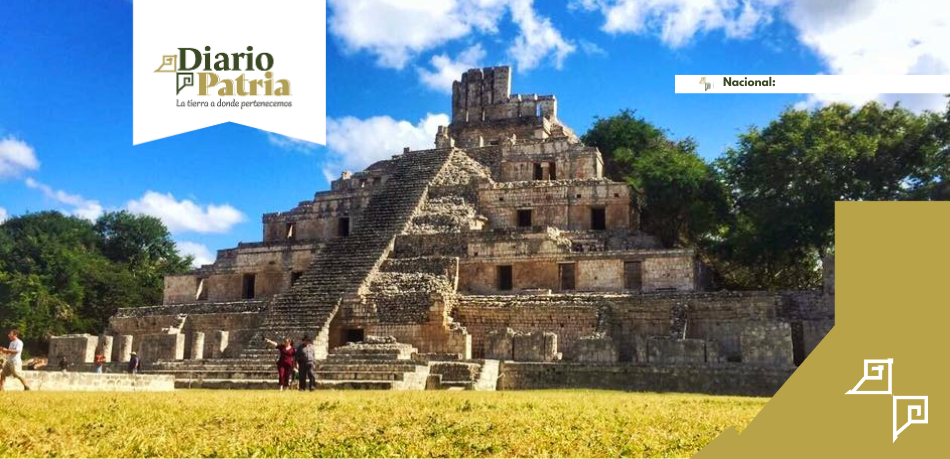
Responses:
[105,344]
[220,344]
[125,348]
[197,346]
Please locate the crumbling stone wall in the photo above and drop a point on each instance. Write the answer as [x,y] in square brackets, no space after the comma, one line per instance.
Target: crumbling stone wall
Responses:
[77,348]
[162,347]
[571,160]
[507,344]
[272,265]
[723,379]
[597,348]
[535,265]
[767,344]
[525,314]
[560,204]
[239,320]
[681,351]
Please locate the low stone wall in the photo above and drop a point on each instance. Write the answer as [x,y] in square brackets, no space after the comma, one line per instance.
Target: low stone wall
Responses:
[596,349]
[679,351]
[90,382]
[767,344]
[720,379]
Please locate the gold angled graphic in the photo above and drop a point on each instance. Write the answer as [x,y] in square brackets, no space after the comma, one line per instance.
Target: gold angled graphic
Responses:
[170,61]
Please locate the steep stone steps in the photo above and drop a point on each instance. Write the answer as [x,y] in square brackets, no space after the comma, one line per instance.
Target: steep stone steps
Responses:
[346,265]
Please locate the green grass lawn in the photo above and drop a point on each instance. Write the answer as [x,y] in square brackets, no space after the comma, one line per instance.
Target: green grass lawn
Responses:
[358,424]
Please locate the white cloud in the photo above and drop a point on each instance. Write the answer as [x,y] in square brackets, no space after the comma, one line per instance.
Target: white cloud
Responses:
[676,22]
[355,143]
[446,70]
[16,157]
[854,37]
[397,31]
[3,215]
[291,143]
[877,37]
[537,38]
[202,254]
[186,216]
[88,209]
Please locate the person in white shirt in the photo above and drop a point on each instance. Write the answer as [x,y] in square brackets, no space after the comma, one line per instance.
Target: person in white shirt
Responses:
[14,364]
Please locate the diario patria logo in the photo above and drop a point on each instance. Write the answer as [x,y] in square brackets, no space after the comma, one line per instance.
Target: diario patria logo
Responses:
[190,62]
[706,84]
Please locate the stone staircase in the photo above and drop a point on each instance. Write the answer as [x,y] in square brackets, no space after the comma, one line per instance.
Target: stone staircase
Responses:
[380,366]
[346,265]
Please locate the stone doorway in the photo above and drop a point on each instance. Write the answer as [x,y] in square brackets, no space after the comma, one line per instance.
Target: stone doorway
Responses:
[354,335]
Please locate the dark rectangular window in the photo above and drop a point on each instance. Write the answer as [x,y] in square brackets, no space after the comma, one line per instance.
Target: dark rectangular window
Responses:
[524,218]
[505,282]
[355,335]
[294,276]
[633,275]
[552,171]
[598,219]
[343,228]
[566,271]
[538,172]
[201,289]
[247,290]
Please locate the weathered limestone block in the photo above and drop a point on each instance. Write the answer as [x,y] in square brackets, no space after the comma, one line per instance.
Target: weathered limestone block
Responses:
[162,347]
[460,342]
[639,349]
[198,346]
[78,348]
[767,343]
[105,346]
[596,349]
[124,349]
[535,347]
[220,344]
[498,344]
[676,351]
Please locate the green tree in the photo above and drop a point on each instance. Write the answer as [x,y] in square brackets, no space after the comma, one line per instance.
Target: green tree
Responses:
[143,244]
[785,179]
[61,274]
[682,201]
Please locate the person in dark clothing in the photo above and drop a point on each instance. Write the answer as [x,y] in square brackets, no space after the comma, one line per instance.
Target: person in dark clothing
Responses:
[135,364]
[306,359]
[285,361]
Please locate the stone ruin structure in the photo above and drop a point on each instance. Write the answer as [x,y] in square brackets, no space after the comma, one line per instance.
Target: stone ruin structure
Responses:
[504,243]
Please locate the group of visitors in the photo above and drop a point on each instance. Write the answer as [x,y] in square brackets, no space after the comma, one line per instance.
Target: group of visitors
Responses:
[295,363]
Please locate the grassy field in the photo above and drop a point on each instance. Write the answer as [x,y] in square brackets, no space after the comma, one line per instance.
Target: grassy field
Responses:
[359,424]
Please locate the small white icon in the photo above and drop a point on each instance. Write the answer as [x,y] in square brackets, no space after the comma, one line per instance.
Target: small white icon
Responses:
[879,375]
[912,411]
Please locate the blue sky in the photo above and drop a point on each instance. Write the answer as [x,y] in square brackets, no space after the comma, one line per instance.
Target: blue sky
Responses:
[66,91]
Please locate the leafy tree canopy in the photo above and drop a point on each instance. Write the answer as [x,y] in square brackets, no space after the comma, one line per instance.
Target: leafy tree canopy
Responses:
[62,274]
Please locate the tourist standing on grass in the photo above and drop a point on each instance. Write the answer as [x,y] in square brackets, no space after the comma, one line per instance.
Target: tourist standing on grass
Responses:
[135,364]
[285,361]
[306,359]
[14,365]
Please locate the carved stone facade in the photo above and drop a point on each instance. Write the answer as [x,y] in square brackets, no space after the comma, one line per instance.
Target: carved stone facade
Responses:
[509,223]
